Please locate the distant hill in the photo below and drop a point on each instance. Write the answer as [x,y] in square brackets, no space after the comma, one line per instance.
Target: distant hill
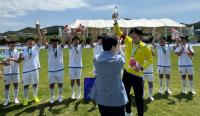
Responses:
[53,30]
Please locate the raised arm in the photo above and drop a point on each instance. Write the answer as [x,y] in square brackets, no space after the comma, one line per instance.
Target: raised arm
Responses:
[44,42]
[38,34]
[118,30]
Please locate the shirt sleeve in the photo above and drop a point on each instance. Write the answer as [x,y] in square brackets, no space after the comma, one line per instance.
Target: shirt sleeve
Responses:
[121,35]
[191,48]
[149,58]
[178,49]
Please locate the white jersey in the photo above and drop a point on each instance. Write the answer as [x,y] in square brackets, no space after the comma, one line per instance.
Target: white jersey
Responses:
[13,68]
[55,58]
[184,60]
[75,56]
[31,58]
[164,55]
[97,49]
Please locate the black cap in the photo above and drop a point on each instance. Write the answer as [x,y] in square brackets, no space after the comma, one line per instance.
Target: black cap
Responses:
[162,37]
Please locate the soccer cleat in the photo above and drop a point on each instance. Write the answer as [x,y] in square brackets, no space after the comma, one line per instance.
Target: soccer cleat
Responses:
[60,99]
[16,100]
[52,99]
[73,95]
[151,98]
[128,114]
[184,92]
[7,100]
[193,92]
[36,99]
[25,102]
[168,91]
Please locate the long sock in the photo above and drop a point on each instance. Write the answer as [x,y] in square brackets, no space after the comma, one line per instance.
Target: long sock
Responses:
[60,91]
[26,93]
[161,83]
[167,84]
[16,92]
[183,85]
[150,91]
[79,89]
[72,87]
[6,93]
[191,85]
[52,92]
[35,91]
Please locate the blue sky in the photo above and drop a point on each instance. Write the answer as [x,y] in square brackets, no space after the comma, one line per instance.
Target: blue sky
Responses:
[17,14]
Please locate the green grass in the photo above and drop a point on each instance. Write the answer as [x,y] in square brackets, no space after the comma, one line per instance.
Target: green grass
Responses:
[173,105]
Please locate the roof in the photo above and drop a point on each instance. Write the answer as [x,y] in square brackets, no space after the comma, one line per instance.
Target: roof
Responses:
[100,23]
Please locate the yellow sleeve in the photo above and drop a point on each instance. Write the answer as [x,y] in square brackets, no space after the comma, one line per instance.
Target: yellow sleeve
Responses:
[119,33]
[117,30]
[149,58]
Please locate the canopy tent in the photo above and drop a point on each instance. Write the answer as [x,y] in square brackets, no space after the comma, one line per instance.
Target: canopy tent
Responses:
[99,23]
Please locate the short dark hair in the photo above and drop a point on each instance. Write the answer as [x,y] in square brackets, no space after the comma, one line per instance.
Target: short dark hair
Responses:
[100,37]
[137,31]
[108,42]
[184,38]
[30,38]
[54,40]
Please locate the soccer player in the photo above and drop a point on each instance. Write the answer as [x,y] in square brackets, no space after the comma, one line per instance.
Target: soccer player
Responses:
[185,53]
[75,65]
[164,64]
[11,71]
[138,57]
[55,66]
[31,66]
[97,47]
[148,74]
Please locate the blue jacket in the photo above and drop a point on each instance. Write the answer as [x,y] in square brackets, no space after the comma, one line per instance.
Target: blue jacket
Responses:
[108,89]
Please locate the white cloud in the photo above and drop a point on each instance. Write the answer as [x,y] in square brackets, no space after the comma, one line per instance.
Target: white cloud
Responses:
[14,8]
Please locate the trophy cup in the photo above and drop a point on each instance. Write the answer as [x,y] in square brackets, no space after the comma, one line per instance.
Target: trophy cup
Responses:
[115,13]
[37,24]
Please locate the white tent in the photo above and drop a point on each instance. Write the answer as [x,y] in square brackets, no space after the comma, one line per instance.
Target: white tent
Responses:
[99,23]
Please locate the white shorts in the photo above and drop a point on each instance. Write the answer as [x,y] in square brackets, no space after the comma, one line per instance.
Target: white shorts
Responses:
[32,77]
[164,70]
[149,77]
[11,78]
[75,73]
[56,77]
[186,70]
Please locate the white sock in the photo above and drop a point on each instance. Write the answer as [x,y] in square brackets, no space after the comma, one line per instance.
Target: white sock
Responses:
[35,91]
[26,93]
[79,89]
[52,92]
[72,87]
[167,84]
[6,93]
[60,91]
[161,83]
[191,85]
[150,91]
[183,85]
[16,92]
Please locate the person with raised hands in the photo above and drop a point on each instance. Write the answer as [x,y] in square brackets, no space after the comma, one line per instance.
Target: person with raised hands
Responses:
[75,62]
[55,65]
[31,66]
[138,57]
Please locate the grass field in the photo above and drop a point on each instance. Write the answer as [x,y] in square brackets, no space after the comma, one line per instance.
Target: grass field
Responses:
[173,105]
